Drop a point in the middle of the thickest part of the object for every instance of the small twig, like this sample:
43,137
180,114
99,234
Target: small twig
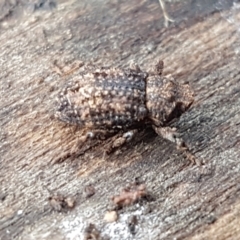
165,14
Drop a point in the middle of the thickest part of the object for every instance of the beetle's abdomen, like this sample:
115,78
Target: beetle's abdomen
109,98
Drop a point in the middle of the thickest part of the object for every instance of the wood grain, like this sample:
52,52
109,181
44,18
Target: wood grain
41,156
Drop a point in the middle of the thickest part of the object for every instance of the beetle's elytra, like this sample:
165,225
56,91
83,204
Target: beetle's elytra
110,98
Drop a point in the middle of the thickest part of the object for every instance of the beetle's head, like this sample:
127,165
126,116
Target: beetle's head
166,99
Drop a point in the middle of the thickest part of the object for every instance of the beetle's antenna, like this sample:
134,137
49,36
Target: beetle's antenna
158,67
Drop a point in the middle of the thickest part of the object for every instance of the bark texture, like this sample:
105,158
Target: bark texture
40,156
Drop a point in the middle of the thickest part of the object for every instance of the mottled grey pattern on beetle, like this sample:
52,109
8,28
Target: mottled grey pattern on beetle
113,99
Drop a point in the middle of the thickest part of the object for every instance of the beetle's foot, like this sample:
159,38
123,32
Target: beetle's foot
134,66
172,135
119,141
88,136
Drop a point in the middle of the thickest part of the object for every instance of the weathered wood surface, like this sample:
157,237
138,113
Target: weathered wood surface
40,156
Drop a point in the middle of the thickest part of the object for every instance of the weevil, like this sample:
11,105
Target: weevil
115,100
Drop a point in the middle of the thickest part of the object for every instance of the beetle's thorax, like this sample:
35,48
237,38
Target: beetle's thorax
166,99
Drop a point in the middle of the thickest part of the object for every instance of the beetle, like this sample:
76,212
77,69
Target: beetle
112,100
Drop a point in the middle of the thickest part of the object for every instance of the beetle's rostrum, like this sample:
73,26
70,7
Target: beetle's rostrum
113,99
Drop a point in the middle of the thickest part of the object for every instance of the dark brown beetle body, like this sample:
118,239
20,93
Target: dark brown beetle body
113,99
105,99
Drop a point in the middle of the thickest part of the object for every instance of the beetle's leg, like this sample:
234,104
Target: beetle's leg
95,134
134,66
89,135
119,141
157,68
172,135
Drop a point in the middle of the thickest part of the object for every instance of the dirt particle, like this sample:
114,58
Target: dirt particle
60,203
111,216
